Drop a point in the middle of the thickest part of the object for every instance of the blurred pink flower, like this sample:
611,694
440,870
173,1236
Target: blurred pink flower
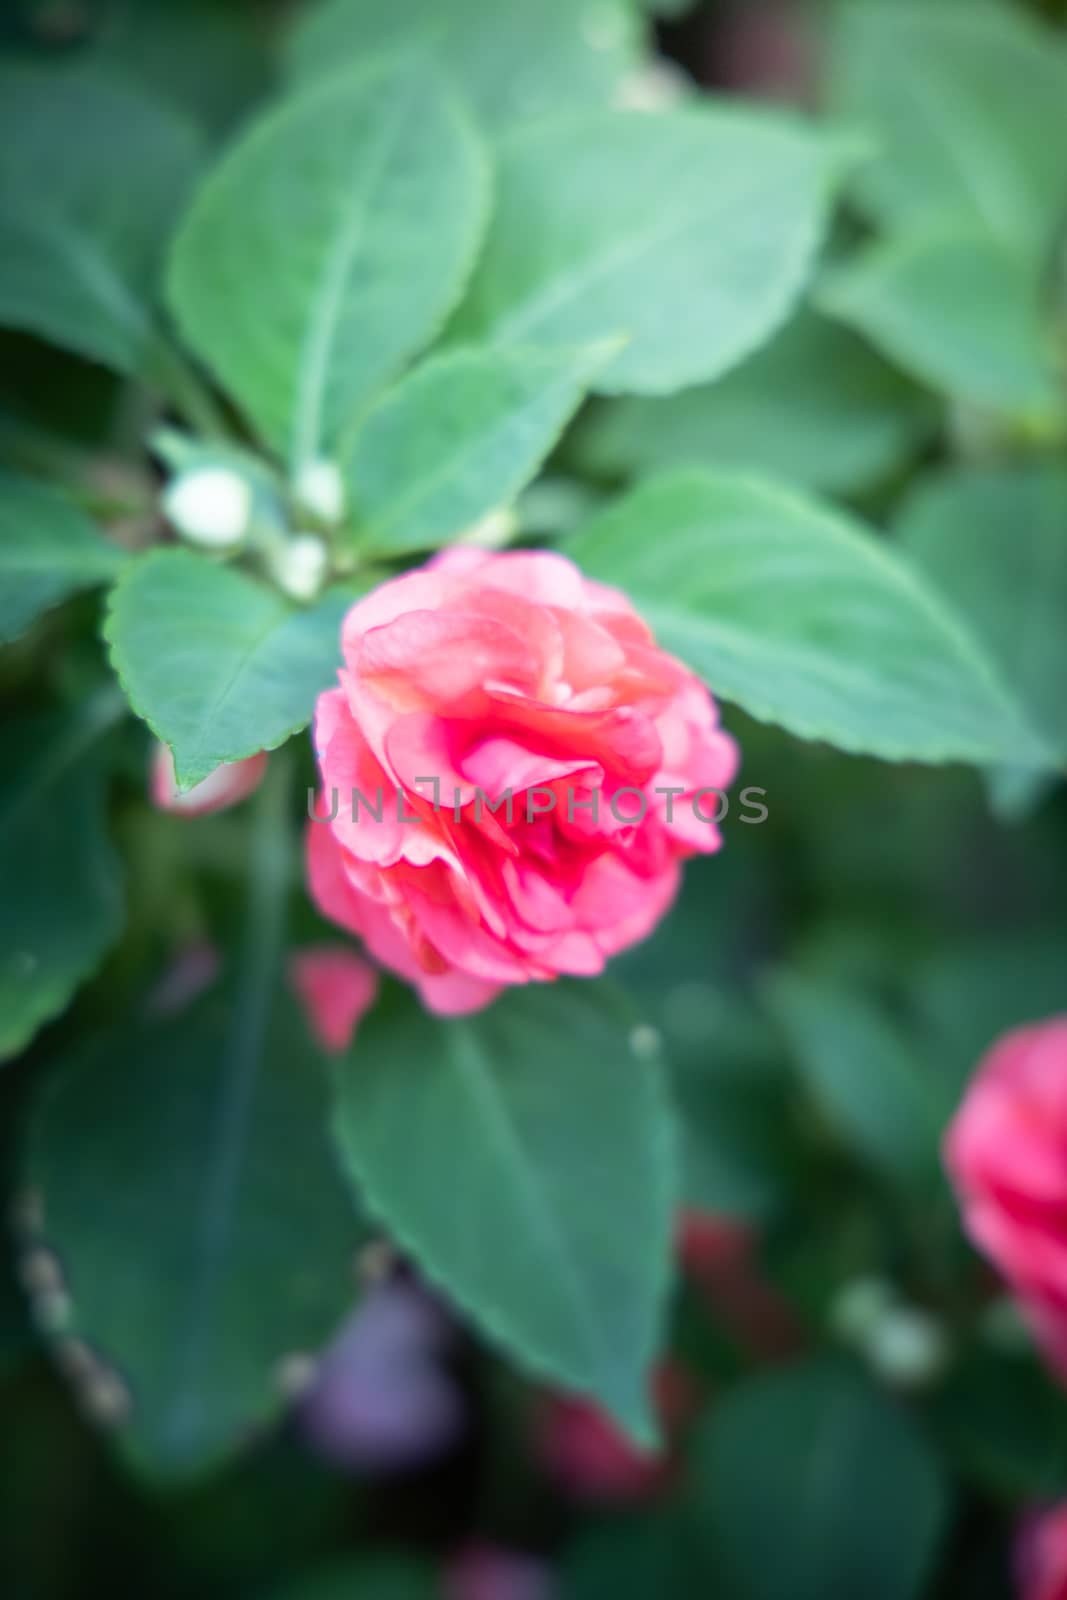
336,988
1041,1555
233,781
382,1399
487,674
484,1572
718,1255
1006,1153
592,1459
709,1244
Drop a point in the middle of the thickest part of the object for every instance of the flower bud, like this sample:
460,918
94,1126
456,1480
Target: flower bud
320,491
336,987
907,1348
233,781
191,971
299,566
653,86
496,528
209,506
858,1307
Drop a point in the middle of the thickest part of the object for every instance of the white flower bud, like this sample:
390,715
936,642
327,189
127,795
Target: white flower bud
908,1348
209,506
652,87
320,491
496,528
300,566
858,1307
645,1041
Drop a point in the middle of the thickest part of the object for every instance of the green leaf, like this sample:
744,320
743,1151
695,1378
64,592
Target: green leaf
788,1450
302,276
92,173
734,1157
48,550
227,1242
189,1191
871,1083
959,311
815,405
608,224
16,1339
63,904
61,909
514,61
458,438
994,540
969,993
218,665
723,1058
541,1194
805,619
1005,1425
212,61
632,1557
368,1578
965,102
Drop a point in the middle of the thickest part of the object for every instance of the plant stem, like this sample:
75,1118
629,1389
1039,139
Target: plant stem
184,388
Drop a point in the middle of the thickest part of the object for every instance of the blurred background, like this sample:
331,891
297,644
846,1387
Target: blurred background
825,989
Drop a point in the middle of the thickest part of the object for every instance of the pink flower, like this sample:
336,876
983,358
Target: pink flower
336,989
1041,1555
588,1456
710,1245
483,676
1006,1153
719,1255
233,781
484,1572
